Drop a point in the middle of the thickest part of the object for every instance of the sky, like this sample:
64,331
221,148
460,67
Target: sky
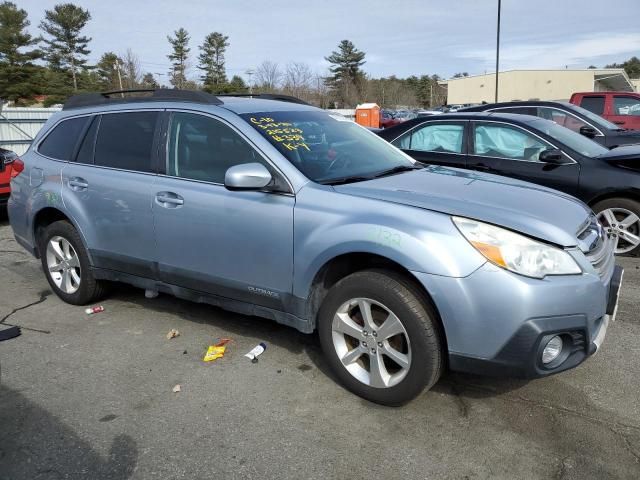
399,37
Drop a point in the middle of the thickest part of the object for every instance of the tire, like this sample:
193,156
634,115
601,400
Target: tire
419,340
624,210
88,289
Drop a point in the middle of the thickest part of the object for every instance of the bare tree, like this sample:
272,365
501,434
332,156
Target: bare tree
297,80
268,76
131,69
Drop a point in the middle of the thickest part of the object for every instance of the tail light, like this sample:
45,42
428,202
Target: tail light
17,166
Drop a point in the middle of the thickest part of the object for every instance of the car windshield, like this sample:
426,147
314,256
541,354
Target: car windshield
571,139
594,118
328,148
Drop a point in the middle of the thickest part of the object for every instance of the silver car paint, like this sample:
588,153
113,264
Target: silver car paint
274,245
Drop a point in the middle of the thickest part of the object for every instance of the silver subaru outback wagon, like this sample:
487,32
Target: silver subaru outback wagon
270,207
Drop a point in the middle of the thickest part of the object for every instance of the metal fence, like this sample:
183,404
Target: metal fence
19,125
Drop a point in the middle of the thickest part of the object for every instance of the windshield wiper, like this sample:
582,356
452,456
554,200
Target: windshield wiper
343,180
361,178
398,169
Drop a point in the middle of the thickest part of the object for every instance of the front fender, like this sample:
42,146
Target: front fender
327,226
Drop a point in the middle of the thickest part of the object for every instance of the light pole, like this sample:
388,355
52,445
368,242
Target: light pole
498,49
250,74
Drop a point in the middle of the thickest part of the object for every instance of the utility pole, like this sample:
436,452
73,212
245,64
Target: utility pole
116,65
498,48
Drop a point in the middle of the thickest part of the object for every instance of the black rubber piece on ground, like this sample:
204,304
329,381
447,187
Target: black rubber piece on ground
8,333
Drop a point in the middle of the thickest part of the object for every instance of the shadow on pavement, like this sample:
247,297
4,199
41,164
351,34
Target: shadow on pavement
34,444
237,324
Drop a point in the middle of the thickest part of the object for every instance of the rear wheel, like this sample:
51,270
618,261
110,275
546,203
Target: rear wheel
380,337
66,265
621,217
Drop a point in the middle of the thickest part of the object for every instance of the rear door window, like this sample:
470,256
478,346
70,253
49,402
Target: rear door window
562,118
60,143
125,141
594,104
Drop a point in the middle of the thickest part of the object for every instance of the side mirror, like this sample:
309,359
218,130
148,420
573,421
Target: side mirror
247,176
588,131
551,155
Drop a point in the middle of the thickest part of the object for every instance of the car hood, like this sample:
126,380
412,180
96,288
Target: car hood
627,137
534,210
627,156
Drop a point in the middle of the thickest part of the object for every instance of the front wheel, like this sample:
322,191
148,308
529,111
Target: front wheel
380,337
621,217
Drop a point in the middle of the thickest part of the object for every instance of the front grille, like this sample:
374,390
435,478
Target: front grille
598,247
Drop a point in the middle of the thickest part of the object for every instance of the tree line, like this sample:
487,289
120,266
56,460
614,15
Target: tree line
55,64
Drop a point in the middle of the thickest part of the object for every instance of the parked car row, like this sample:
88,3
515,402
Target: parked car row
285,211
536,150
570,116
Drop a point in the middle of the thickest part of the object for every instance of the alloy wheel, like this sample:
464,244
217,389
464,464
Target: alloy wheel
371,342
63,264
625,225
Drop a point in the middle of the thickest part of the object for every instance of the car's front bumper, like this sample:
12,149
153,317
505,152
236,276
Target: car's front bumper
498,323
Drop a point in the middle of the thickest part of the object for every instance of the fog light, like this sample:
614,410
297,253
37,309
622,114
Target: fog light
552,350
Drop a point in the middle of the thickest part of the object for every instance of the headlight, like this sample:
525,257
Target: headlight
514,252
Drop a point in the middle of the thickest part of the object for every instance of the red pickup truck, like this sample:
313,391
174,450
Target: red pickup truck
621,108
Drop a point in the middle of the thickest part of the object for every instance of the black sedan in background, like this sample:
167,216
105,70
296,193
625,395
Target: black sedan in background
536,150
573,117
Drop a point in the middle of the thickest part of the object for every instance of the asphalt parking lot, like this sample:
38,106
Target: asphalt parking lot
91,397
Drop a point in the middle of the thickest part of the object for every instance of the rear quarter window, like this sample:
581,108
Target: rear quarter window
63,138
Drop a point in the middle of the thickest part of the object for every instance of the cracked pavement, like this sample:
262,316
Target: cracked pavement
90,397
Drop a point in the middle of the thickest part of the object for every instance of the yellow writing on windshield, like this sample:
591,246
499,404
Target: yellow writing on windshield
283,133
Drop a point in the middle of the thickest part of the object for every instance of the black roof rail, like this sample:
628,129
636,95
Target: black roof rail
267,96
153,95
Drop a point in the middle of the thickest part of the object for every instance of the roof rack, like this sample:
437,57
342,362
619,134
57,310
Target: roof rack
152,95
267,96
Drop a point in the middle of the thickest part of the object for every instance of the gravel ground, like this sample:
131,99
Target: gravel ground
91,397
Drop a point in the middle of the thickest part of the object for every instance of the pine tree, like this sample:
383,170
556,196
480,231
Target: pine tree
179,56
211,61
16,63
345,70
66,48
108,68
148,81
237,85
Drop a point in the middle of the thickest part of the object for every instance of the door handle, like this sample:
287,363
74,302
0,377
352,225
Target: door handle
169,199
78,184
619,122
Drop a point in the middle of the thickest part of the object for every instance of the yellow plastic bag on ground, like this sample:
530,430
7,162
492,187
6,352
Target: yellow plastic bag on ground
216,351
